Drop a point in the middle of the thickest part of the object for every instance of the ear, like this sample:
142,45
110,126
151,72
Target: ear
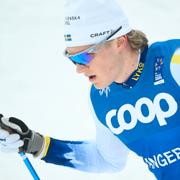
122,42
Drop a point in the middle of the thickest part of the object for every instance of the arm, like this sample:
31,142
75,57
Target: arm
106,154
80,155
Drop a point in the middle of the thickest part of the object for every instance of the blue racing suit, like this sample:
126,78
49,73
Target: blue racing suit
141,115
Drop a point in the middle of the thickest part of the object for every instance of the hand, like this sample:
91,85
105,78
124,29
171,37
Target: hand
15,136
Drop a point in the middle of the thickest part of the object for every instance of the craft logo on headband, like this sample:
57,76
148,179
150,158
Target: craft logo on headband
103,33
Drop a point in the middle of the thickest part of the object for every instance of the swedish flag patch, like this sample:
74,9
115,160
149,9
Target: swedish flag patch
67,37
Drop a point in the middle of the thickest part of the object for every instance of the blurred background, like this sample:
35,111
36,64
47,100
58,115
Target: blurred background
41,87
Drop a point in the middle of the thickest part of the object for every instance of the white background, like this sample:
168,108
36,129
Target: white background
41,87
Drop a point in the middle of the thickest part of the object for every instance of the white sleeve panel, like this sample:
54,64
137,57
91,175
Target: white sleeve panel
175,66
109,146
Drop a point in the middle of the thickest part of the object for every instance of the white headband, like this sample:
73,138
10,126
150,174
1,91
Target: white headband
88,22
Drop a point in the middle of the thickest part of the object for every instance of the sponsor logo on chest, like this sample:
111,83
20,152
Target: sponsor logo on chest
163,159
155,111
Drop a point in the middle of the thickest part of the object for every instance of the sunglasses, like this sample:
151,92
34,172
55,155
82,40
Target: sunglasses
85,57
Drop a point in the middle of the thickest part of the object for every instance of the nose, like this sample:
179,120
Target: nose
80,68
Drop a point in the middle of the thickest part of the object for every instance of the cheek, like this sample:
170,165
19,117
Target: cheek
104,63
106,69
108,65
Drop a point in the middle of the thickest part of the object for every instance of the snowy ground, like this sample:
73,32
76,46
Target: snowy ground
41,87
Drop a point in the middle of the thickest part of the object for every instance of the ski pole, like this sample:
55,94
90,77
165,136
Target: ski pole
29,166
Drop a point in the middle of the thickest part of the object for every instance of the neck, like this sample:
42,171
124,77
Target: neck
130,64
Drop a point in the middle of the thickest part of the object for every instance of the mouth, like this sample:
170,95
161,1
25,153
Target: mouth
92,78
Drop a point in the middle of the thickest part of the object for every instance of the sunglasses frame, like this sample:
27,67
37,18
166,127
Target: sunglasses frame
89,50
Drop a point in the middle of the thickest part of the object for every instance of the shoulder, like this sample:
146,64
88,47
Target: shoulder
170,52
170,45
164,49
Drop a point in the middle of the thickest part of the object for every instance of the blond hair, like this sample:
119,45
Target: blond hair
137,40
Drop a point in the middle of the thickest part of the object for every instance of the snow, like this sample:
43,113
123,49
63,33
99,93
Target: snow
41,87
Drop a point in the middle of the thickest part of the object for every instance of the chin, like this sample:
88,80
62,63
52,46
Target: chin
100,85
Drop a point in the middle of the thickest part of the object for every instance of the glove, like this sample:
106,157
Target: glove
15,136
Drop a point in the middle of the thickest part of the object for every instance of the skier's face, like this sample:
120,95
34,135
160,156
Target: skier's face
106,66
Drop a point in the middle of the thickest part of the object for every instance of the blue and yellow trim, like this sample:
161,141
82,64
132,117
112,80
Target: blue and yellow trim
176,59
47,143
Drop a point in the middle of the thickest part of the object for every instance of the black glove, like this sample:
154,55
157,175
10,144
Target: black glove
13,128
